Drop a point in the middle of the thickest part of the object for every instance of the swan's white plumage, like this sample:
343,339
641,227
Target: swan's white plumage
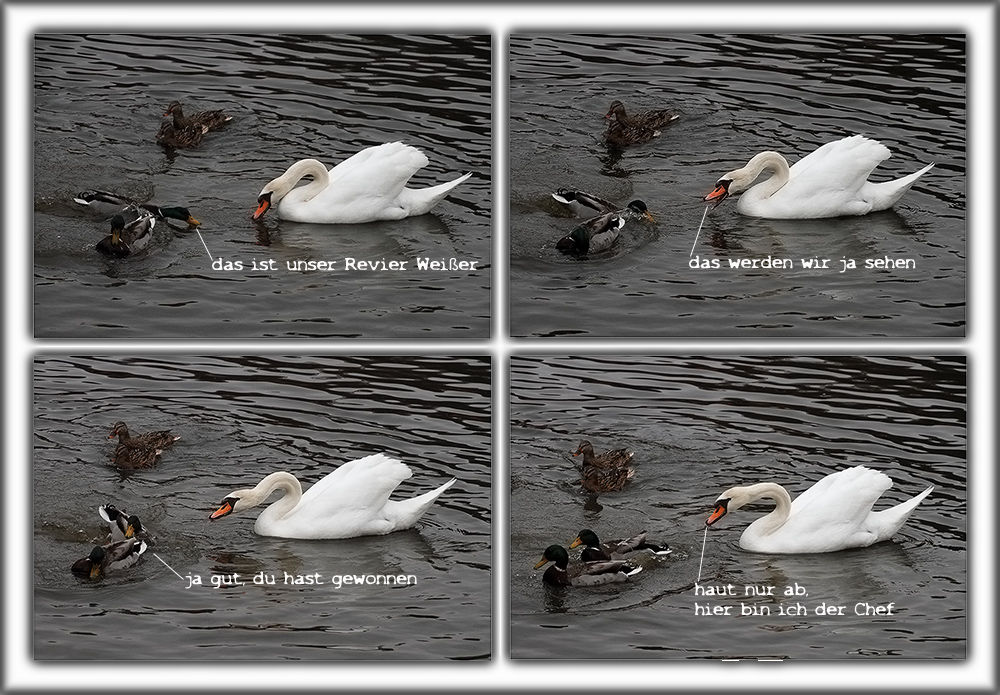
831,181
351,501
834,514
367,187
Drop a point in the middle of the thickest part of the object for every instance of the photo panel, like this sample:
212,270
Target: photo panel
775,507
856,226
375,544
182,188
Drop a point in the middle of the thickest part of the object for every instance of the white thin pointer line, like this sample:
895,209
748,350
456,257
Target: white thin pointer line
213,261
161,559
704,215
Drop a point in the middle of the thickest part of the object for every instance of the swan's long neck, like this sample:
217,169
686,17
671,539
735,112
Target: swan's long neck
782,501
276,481
765,161
282,185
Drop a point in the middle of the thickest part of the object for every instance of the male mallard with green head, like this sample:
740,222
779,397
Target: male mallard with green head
105,202
109,558
600,233
561,573
128,237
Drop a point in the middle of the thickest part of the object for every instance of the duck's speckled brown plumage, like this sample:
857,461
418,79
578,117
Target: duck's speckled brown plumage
609,459
187,131
624,130
178,138
139,451
605,480
209,120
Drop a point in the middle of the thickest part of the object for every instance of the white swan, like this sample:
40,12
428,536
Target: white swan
351,501
829,182
367,187
834,514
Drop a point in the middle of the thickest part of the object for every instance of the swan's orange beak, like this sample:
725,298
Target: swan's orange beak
226,508
263,204
718,194
576,543
720,511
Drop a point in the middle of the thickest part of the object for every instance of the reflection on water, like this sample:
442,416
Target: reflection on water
700,425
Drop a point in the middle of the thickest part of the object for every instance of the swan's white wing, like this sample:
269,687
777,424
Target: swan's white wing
377,172
364,484
837,506
841,165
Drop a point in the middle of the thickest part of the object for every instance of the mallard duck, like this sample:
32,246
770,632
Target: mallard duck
180,138
605,479
208,120
609,459
594,574
624,130
109,558
834,514
128,238
140,451
159,438
135,529
831,181
367,187
105,202
595,551
116,519
599,233
351,501
583,204
593,236
124,525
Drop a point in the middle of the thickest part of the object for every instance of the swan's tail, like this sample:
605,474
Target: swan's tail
889,521
406,513
419,201
887,193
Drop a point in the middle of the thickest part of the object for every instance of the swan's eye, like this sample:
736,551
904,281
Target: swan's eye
264,198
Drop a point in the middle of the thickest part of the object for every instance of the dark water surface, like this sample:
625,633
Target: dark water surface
241,418
701,425
98,103
736,96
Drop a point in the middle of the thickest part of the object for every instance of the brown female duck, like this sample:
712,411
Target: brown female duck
188,131
594,574
609,459
624,130
140,451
